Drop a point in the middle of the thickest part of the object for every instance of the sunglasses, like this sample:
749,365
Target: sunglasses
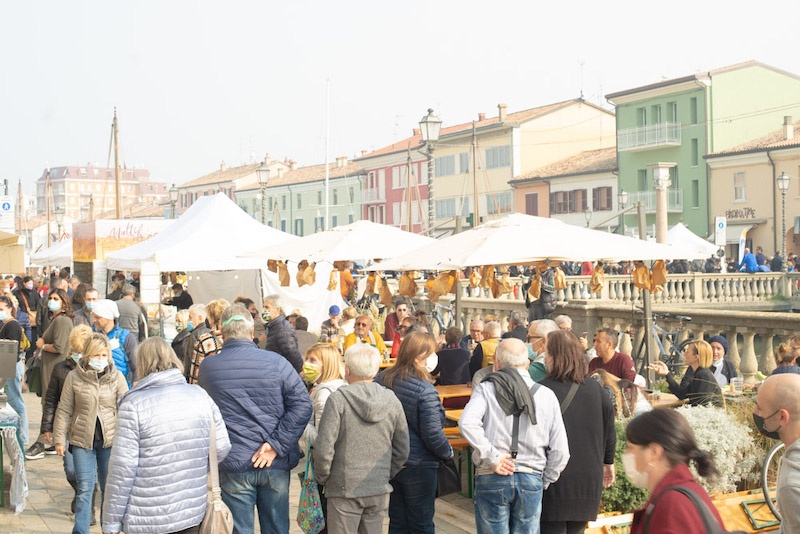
362,324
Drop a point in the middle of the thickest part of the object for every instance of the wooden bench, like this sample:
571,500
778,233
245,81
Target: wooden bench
463,453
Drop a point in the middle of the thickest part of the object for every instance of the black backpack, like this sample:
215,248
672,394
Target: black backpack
710,522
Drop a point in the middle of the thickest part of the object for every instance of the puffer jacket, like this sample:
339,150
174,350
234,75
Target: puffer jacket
261,398
281,338
86,397
425,416
53,395
157,474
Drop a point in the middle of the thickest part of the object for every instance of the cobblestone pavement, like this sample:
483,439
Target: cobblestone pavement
49,497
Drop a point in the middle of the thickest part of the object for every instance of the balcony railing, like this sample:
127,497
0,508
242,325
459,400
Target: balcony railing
674,200
652,136
374,195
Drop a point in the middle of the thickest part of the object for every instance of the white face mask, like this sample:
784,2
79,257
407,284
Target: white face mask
432,362
636,477
98,364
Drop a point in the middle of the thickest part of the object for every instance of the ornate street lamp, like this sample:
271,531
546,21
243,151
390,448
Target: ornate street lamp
173,200
59,213
783,185
262,173
587,214
430,126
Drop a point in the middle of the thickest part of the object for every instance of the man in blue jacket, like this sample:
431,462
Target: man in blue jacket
265,407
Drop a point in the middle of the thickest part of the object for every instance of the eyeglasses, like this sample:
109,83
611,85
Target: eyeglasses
362,324
534,337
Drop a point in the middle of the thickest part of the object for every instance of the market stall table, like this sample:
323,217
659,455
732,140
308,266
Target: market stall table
458,390
666,400
453,415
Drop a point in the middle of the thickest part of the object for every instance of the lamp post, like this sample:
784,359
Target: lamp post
430,126
587,214
622,202
783,185
59,213
173,200
262,173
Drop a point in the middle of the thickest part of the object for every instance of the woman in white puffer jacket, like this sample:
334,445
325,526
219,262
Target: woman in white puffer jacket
157,479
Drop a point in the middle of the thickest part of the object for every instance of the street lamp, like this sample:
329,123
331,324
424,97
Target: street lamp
587,214
59,213
622,202
783,185
430,126
173,200
262,173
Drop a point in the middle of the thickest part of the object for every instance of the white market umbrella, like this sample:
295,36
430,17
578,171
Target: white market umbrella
58,254
359,240
682,237
519,239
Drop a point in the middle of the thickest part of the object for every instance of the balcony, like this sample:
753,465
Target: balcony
674,200
374,195
646,137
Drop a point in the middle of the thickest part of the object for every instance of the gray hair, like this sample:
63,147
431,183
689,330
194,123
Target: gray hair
237,323
154,355
476,321
517,318
362,360
542,327
564,320
276,301
512,352
492,329
128,290
198,309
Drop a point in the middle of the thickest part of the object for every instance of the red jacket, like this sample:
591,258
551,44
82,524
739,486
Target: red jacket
674,513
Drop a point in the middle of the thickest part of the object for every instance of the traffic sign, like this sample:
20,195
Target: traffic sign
720,231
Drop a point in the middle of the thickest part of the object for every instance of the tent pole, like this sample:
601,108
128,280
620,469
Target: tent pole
647,303
457,306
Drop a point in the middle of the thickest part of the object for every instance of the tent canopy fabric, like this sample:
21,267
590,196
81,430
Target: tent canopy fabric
59,254
522,239
359,240
209,236
680,236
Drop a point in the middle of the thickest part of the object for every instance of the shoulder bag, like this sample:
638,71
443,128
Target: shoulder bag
309,512
31,313
709,521
218,519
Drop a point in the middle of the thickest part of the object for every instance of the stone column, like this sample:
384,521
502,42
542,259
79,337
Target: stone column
749,364
661,182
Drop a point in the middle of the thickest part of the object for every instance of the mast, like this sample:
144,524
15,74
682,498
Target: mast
19,212
327,145
48,191
408,188
117,184
476,217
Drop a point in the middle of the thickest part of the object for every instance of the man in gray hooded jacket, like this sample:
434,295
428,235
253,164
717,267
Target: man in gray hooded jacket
362,443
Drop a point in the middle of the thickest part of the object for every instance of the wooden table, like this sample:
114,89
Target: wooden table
449,392
453,415
667,400
390,363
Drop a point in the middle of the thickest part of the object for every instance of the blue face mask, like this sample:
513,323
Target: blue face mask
53,305
98,364
76,356
3,316
189,326
89,306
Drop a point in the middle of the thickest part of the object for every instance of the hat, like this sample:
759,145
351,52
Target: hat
334,310
721,340
107,309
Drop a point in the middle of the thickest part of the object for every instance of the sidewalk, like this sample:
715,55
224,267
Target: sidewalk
49,497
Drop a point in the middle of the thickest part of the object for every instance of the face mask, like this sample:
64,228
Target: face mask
76,356
636,477
310,372
189,326
98,364
3,316
759,421
89,306
265,315
431,362
29,286
53,305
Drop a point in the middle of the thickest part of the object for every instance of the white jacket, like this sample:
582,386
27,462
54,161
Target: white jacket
158,472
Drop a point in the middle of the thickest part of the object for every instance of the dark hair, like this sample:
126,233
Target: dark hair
671,430
567,356
176,286
301,323
407,366
422,317
8,302
66,305
79,296
611,335
630,396
27,279
244,300
453,335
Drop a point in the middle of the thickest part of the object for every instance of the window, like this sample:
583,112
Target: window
269,200
445,209
350,218
566,201
739,188
693,110
299,201
319,198
577,200
283,225
673,177
695,153
499,203
498,156
641,117
399,177
695,193
463,162
601,199
298,227
334,221
352,196
445,165
641,179
335,197
319,224
532,203
672,111
655,114
283,202
559,202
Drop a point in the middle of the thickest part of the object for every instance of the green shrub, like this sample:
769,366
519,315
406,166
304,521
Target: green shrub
623,496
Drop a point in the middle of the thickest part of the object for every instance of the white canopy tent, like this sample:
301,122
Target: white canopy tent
59,254
681,236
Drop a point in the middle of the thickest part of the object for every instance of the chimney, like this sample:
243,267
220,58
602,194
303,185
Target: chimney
267,159
292,164
280,172
416,131
788,128
481,116
223,166
501,112
363,152
341,161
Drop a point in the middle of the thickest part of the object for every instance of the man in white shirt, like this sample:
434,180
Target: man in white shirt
513,473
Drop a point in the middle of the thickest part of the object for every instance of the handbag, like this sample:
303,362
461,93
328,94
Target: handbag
309,512
218,519
447,478
31,313
709,521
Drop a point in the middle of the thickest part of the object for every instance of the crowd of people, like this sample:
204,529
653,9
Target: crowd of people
132,416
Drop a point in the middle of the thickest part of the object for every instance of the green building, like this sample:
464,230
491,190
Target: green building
674,123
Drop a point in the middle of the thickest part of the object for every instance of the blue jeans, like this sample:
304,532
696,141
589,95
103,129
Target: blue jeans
14,394
411,503
69,464
266,489
508,504
89,464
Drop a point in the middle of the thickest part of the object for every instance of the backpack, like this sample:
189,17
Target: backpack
709,521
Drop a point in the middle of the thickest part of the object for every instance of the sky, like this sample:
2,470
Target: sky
198,83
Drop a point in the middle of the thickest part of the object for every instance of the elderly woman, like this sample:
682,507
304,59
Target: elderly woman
698,383
87,417
209,343
722,368
786,357
159,461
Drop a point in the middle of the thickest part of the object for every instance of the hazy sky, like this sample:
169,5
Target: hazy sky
196,83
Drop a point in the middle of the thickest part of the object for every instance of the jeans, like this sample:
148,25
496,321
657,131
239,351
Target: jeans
411,503
14,394
69,464
89,464
508,504
266,489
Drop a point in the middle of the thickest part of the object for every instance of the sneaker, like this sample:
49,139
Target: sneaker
35,451
50,450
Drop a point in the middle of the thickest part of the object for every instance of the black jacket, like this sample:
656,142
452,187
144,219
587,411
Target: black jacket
53,395
520,332
281,338
700,387
453,366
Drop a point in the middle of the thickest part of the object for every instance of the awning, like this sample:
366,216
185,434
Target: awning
735,232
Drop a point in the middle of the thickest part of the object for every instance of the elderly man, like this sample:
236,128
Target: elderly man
393,320
519,441
131,314
475,336
618,364
777,416
265,407
363,425
516,327
332,325
564,322
281,336
365,334
84,315
483,355
537,340
123,343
